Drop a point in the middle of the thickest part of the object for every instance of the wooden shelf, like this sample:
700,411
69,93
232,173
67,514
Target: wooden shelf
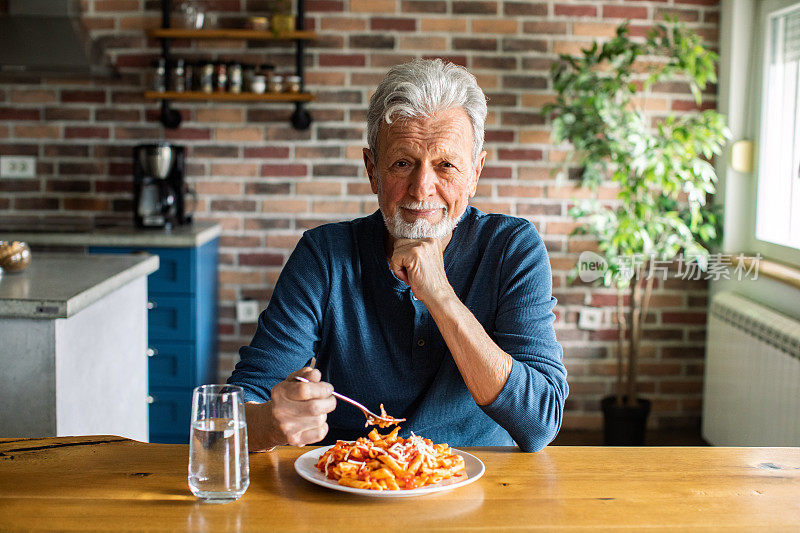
251,35
229,97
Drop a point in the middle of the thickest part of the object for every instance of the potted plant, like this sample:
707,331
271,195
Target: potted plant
662,174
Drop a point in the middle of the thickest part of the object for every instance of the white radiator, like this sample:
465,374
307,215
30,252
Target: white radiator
752,375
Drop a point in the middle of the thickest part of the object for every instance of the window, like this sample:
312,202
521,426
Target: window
778,196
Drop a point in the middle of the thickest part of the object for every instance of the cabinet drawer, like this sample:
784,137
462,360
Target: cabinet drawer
176,270
170,413
171,364
171,317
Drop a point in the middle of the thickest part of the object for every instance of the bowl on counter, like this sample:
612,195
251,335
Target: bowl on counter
15,256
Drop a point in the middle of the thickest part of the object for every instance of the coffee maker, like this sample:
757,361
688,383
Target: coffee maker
158,186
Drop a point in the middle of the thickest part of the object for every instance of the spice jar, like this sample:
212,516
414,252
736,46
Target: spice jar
258,84
275,84
258,23
291,84
160,75
179,76
220,76
207,77
235,77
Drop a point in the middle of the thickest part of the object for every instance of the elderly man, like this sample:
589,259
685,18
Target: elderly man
438,311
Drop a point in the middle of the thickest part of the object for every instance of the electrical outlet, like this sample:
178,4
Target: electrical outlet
17,166
591,318
247,311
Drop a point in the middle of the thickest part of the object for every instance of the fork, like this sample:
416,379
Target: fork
367,413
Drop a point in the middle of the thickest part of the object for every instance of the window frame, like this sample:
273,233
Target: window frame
761,39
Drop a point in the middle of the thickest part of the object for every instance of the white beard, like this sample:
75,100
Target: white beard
420,228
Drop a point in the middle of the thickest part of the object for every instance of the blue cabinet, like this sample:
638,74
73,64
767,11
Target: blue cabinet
182,331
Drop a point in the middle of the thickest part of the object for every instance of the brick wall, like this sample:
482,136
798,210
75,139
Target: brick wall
266,183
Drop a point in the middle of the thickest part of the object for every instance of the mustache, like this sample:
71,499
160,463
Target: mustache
420,206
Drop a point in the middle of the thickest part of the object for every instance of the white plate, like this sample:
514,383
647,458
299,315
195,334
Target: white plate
305,465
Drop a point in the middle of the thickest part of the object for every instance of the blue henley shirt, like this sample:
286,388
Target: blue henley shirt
338,300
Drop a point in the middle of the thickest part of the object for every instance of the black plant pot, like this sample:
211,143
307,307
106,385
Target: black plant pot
623,425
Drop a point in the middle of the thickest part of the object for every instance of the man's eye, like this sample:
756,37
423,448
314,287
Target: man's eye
447,165
401,164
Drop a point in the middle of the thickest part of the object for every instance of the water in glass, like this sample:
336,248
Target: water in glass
219,469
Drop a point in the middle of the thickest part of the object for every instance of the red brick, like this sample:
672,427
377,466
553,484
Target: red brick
685,317
326,6
68,113
624,12
342,60
424,6
393,24
567,10
37,132
474,7
10,113
288,170
267,152
37,204
492,172
519,154
260,259
97,97
75,132
86,204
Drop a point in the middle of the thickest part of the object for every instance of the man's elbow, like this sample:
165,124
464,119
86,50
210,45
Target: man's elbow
547,426
543,435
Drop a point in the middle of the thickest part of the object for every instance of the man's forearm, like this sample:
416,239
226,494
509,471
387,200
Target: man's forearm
260,434
483,364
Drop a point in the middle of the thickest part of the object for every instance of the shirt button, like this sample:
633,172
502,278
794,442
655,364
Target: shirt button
421,342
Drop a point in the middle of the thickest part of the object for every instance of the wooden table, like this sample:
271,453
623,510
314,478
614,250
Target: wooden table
111,483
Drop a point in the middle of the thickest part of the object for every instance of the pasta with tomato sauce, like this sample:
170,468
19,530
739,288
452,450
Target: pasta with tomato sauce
389,462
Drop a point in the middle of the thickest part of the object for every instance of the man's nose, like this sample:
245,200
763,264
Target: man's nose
423,182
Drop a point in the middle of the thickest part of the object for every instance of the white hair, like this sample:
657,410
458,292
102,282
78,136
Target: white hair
422,88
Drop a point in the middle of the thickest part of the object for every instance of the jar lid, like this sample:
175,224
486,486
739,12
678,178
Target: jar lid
295,79
275,77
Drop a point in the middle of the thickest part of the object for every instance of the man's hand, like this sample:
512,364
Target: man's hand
295,415
420,264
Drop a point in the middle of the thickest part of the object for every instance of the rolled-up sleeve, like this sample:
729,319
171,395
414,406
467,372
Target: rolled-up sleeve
531,403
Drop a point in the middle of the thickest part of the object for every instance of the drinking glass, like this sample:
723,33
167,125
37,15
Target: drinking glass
219,470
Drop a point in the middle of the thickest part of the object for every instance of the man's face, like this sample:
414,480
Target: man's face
424,174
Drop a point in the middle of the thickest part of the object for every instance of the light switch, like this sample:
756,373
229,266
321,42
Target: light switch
17,166
591,318
247,311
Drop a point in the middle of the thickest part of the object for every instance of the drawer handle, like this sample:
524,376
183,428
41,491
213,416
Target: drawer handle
150,399
151,352
151,305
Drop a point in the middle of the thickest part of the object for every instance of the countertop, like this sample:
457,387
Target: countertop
106,483
195,234
60,285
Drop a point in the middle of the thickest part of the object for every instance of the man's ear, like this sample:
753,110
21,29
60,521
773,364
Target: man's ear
478,169
369,164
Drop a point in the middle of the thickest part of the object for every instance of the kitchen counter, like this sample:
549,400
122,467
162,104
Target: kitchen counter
61,285
74,346
195,234
104,483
